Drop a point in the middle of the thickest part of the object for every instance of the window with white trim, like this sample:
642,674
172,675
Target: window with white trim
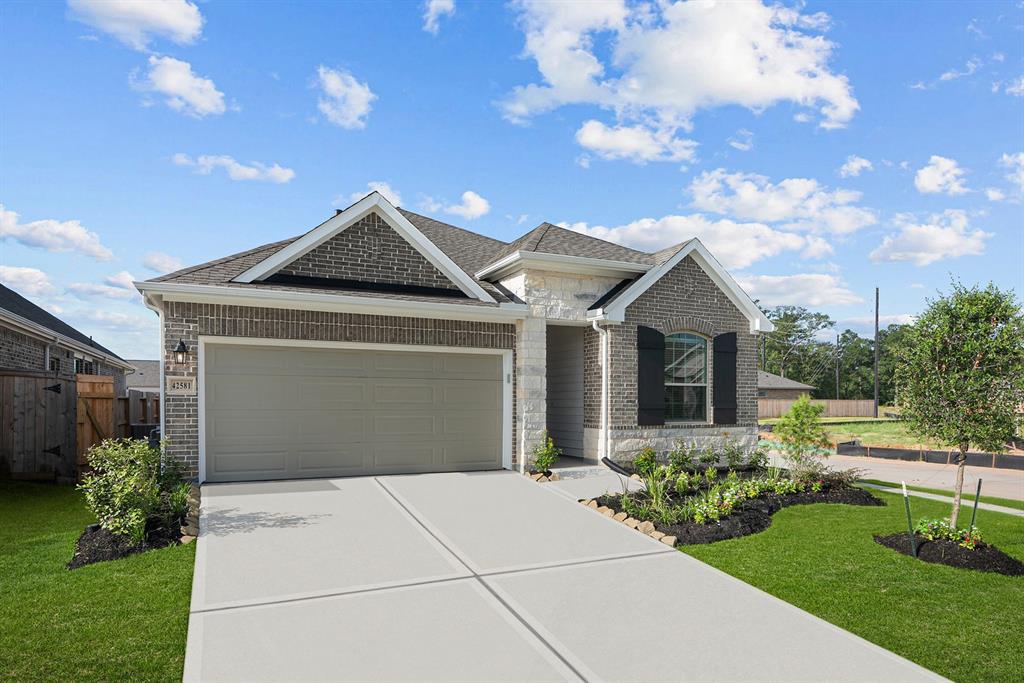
686,378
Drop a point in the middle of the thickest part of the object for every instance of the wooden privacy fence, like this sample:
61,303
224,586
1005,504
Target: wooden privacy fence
776,407
37,426
48,424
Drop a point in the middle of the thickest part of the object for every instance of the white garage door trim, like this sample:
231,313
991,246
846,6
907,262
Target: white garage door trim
506,368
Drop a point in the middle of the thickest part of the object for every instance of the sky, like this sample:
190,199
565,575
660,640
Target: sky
819,150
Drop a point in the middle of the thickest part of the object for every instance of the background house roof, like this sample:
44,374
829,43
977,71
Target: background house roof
146,375
15,303
766,380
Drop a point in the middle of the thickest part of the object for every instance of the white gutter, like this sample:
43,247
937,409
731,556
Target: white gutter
342,303
603,446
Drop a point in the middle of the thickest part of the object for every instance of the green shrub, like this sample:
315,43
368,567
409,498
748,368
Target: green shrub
545,454
646,462
733,453
940,529
132,486
802,438
683,457
708,457
687,482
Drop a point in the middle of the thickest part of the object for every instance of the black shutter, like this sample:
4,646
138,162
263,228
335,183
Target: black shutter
723,388
650,376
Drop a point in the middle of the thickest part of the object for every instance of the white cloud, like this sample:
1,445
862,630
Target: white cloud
1015,87
27,281
472,206
743,140
429,204
868,321
736,245
1014,163
205,164
115,321
994,194
817,248
117,286
943,236
638,144
389,193
667,61
854,166
940,175
136,22
344,100
803,289
800,203
159,262
433,10
184,90
53,235
972,65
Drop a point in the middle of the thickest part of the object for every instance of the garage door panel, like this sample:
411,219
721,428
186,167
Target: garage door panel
279,412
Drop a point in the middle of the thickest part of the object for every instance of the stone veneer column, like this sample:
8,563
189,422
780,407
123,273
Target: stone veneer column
531,384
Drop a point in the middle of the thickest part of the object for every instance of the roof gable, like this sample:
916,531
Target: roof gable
373,203
615,309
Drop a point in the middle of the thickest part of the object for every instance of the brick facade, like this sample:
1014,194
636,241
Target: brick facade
22,352
683,300
371,251
188,321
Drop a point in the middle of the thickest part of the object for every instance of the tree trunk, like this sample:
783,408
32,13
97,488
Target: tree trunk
958,489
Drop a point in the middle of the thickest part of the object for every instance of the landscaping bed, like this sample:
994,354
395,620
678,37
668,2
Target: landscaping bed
751,516
97,544
984,557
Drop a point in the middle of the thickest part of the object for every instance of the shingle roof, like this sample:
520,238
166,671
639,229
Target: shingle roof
18,305
469,250
766,380
147,374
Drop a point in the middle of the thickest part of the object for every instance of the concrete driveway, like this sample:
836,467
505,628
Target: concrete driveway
479,577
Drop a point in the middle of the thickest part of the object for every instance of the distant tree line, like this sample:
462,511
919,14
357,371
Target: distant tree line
804,348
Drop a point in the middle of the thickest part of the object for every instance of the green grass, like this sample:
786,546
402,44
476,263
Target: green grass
119,620
830,420
968,498
962,624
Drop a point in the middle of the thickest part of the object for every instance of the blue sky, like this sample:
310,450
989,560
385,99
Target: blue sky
857,145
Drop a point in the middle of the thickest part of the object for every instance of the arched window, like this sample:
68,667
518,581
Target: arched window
686,378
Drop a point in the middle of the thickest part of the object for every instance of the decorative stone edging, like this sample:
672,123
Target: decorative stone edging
540,477
191,527
646,528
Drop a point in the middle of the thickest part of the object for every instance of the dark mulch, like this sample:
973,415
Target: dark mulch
753,516
97,544
984,558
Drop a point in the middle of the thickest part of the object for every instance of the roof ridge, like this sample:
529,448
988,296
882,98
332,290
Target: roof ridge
599,239
465,230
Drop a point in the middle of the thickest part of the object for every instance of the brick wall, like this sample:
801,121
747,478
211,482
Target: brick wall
684,300
369,250
188,321
21,351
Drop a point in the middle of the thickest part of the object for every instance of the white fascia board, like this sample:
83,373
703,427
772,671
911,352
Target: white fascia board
339,303
616,311
561,263
350,216
44,333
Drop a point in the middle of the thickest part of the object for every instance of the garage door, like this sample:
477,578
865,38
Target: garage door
286,412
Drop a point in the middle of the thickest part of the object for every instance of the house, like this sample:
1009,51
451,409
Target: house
383,341
774,386
146,377
33,339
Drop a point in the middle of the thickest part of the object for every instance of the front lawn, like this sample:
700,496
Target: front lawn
119,620
962,624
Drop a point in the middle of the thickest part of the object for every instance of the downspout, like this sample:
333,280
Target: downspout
603,449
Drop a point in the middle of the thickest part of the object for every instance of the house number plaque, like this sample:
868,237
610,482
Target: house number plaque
181,386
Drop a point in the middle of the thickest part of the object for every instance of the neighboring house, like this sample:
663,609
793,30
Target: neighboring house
382,341
146,376
774,386
33,339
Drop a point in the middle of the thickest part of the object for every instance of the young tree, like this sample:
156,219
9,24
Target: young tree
960,379
803,440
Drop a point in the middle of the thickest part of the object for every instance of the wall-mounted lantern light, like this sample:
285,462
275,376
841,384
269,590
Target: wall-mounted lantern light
180,352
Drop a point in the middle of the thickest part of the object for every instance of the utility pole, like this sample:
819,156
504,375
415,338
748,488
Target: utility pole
876,351
837,367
